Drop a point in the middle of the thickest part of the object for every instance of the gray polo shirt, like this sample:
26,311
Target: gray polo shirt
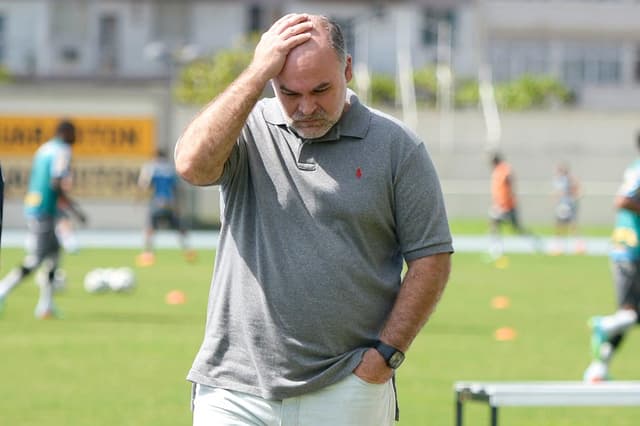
311,249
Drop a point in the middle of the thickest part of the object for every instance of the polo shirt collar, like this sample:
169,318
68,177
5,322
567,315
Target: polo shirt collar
353,123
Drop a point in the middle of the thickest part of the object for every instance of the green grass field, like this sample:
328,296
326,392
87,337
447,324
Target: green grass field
121,359
481,227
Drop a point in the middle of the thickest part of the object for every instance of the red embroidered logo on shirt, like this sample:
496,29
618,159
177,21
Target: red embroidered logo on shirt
358,172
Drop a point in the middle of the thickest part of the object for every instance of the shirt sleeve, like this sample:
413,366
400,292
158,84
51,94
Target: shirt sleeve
61,164
631,183
421,218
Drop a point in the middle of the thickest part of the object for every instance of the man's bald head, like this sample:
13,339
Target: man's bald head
325,33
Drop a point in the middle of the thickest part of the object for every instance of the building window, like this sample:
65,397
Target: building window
255,18
171,21
591,63
108,43
510,59
69,20
431,17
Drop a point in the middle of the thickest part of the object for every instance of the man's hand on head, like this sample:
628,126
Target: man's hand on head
286,33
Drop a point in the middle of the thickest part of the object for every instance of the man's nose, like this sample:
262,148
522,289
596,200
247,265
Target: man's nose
307,105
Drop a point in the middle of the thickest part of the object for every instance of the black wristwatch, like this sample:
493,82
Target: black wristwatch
392,356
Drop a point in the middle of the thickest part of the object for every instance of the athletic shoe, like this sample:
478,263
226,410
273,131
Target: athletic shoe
555,249
190,256
145,259
598,337
50,312
596,372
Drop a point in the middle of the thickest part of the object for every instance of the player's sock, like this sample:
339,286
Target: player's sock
603,328
10,281
618,322
598,337
606,352
598,369
496,249
45,307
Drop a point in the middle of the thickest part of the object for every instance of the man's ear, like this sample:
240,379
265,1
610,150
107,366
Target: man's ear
348,68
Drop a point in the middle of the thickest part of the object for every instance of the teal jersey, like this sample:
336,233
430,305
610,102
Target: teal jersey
51,161
625,246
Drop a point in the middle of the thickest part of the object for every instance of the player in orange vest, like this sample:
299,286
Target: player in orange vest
504,205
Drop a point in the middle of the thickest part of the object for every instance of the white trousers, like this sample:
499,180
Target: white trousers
349,402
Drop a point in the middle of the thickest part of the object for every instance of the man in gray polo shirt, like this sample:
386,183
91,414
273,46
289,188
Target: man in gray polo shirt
324,198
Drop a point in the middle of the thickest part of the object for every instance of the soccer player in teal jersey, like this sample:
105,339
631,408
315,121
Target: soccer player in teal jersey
51,164
608,331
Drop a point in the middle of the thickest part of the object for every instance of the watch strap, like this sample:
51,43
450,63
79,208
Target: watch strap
392,356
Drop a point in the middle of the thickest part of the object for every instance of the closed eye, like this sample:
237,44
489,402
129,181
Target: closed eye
289,93
321,89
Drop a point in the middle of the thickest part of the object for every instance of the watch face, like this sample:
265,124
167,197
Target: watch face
396,359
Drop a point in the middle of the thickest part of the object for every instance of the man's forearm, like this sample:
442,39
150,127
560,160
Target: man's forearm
208,140
72,206
419,294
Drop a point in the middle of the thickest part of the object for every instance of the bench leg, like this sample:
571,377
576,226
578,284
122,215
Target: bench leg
458,411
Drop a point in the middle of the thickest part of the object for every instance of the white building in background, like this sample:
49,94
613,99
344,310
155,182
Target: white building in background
591,45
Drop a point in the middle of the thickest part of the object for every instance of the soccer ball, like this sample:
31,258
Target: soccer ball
104,279
121,279
96,281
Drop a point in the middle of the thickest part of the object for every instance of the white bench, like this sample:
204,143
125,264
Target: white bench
504,394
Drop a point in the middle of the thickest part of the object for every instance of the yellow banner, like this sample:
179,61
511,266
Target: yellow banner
92,178
96,136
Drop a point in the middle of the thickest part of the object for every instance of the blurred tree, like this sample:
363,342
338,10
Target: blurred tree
204,79
426,84
5,75
467,94
383,89
528,92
